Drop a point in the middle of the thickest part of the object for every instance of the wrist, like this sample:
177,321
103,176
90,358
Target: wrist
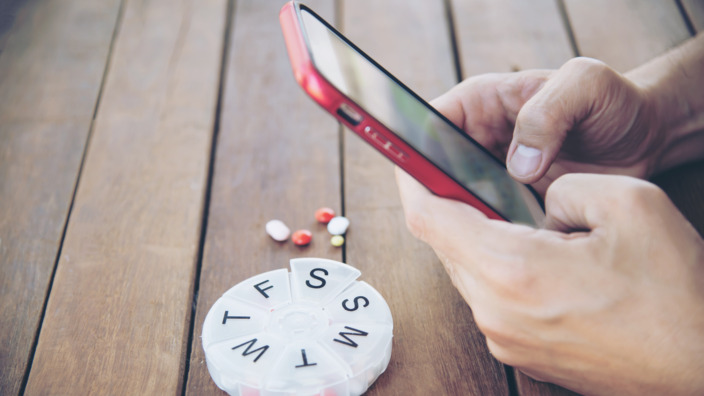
680,127
680,122
671,85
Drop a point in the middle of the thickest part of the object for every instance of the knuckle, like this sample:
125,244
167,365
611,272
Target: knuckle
498,352
502,352
643,196
564,183
511,278
497,324
594,75
489,325
588,67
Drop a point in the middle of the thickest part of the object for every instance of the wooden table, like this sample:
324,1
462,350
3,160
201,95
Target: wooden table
144,145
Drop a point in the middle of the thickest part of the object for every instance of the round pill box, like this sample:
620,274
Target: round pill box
313,331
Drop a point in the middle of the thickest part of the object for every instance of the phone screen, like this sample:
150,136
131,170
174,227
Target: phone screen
410,118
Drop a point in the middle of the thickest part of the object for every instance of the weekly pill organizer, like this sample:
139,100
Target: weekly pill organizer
316,330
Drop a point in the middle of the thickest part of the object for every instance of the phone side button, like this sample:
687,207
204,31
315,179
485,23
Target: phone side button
396,152
375,136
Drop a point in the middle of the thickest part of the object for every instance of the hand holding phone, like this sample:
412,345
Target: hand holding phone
397,122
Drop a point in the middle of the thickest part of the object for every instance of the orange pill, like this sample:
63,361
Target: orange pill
301,237
324,215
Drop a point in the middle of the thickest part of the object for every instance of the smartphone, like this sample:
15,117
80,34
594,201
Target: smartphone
393,119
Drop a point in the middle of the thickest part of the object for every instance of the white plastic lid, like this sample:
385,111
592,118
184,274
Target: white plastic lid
313,331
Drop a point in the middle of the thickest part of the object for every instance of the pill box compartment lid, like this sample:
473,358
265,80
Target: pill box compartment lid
313,330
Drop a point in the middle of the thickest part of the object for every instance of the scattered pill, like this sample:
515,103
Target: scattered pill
338,225
301,237
337,240
277,230
324,215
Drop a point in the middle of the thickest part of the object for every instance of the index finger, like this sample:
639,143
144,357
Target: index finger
445,224
482,255
486,106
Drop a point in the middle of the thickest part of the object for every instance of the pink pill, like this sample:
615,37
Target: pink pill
277,230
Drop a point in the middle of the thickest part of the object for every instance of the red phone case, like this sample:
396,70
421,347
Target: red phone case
369,129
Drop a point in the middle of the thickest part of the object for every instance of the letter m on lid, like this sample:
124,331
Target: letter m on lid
248,351
348,341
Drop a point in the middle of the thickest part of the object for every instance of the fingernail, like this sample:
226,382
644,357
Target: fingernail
525,161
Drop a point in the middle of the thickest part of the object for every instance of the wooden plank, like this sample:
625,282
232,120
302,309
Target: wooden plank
695,12
647,29
512,35
685,184
625,33
277,157
509,35
437,347
118,317
52,58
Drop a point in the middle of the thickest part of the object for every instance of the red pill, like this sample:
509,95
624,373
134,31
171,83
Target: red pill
301,237
324,215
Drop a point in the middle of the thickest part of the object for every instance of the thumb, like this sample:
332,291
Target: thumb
544,120
571,200
584,202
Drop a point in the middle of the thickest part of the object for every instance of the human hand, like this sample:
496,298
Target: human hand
607,299
585,117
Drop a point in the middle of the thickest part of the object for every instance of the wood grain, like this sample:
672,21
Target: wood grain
625,33
277,157
118,316
437,347
51,66
509,35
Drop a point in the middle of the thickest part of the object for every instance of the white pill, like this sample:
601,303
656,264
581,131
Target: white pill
277,230
338,225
